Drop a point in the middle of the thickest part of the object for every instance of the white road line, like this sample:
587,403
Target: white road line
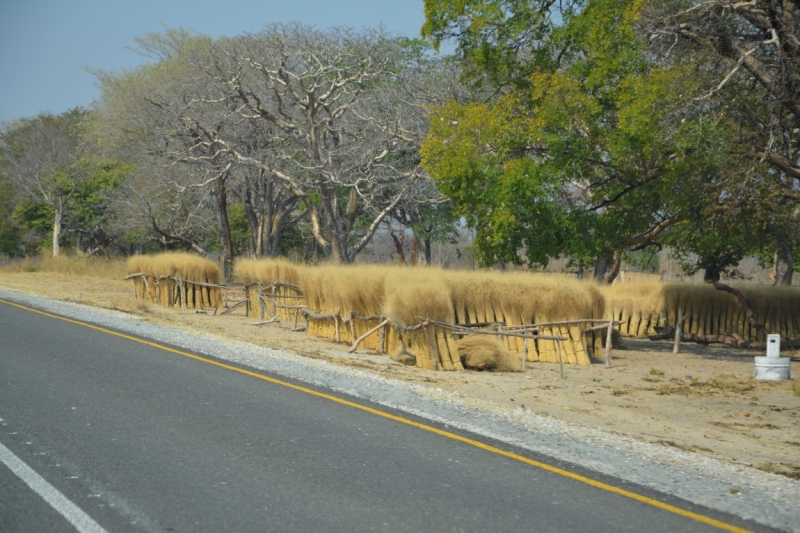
74,514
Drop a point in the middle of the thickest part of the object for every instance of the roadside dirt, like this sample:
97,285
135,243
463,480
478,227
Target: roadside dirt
702,400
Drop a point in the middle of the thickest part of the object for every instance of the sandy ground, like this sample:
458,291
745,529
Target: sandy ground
702,400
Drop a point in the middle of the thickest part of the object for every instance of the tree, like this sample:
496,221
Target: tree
40,157
583,151
749,53
10,234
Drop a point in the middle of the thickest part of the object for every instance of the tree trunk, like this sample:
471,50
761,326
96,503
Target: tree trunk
224,228
607,268
712,276
783,268
414,251
337,248
398,245
57,220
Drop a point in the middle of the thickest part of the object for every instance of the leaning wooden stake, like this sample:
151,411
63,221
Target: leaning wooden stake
608,340
367,334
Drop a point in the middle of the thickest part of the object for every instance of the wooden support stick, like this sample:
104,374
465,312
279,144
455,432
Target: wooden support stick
264,322
182,289
352,325
678,330
228,310
296,314
365,335
524,348
383,336
560,361
608,340
336,321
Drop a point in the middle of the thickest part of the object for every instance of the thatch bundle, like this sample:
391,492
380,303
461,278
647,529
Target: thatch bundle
414,294
521,299
643,306
638,305
282,278
712,311
163,272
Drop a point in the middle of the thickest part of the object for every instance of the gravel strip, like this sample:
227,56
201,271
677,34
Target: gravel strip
768,499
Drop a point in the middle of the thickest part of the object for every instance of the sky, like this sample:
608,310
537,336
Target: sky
45,44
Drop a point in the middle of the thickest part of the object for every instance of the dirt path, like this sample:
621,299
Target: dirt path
702,400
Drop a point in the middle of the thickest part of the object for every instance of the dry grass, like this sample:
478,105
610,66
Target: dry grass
638,305
186,266
93,267
192,269
484,352
712,311
266,272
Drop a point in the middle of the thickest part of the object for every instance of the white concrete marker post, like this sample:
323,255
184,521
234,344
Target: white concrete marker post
773,366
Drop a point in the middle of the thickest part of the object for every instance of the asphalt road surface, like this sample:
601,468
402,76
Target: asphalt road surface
117,435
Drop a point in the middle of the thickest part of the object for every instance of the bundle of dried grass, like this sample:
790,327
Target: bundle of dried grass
712,312
638,305
414,294
522,298
483,352
279,276
192,269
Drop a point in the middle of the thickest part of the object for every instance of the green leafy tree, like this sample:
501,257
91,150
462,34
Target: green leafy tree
39,156
585,150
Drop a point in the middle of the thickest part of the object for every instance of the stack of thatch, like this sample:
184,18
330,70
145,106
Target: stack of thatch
638,305
335,293
162,274
712,311
279,277
522,298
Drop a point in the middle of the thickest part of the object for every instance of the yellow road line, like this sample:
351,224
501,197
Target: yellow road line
566,473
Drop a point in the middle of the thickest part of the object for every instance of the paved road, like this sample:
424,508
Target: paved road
142,439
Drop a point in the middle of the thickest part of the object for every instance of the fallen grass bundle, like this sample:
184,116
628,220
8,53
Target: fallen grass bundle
195,273
484,352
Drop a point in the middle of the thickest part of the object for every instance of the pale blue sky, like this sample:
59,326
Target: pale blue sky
44,43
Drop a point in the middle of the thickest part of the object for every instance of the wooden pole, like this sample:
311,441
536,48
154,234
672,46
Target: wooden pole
560,361
367,334
676,346
383,338
608,339
525,349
